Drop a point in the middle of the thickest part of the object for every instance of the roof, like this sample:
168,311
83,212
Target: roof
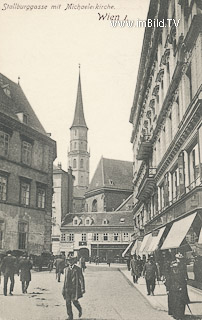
114,174
127,204
114,219
78,193
79,120
16,102
58,169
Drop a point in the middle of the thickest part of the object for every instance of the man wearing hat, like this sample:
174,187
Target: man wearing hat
9,268
150,272
25,266
74,286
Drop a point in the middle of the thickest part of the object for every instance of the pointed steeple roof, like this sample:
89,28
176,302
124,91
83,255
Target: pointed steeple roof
79,119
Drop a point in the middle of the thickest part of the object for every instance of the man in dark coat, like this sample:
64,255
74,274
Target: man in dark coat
135,269
59,265
74,287
24,267
9,268
177,288
150,272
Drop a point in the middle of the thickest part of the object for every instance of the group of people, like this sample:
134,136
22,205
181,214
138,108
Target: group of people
173,273
74,284
11,266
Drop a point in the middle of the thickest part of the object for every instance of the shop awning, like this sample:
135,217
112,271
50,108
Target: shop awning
145,243
134,248
155,240
127,249
200,237
178,232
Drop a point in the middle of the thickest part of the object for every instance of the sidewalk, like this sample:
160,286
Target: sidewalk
159,300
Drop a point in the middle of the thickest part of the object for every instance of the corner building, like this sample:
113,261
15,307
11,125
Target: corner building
167,132
26,172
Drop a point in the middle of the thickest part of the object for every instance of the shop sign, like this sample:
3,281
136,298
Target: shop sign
82,243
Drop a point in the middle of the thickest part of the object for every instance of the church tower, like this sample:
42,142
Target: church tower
78,155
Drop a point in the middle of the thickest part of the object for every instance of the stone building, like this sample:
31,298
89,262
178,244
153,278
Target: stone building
102,234
110,186
62,202
26,171
167,132
78,156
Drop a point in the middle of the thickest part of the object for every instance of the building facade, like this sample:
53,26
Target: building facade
110,186
26,170
99,234
166,118
78,156
62,202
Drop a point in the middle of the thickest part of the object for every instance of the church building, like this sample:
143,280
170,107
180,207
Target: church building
78,156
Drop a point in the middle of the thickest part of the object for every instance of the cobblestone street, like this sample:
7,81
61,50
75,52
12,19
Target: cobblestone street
109,296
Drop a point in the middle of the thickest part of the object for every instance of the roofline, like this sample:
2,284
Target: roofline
104,188
144,53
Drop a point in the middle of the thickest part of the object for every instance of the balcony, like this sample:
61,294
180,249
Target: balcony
145,147
147,185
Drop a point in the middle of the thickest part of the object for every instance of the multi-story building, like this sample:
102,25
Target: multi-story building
102,234
110,186
62,202
167,132
26,170
78,156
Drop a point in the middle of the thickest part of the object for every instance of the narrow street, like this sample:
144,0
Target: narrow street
109,296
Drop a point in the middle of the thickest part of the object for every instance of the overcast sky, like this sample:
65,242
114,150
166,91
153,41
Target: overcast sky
44,48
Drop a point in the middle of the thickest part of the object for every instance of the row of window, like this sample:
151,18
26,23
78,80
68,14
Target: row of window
25,192
30,154
81,164
75,145
89,221
22,235
184,176
96,237
26,154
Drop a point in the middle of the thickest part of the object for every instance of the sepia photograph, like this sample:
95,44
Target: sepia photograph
101,159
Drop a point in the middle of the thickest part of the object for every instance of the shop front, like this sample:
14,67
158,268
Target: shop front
105,251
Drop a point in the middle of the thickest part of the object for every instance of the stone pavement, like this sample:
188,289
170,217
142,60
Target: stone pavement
159,300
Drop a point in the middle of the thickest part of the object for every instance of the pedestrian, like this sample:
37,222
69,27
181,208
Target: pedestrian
150,273
176,285
135,268
59,265
82,263
74,287
25,267
51,263
109,261
97,260
9,268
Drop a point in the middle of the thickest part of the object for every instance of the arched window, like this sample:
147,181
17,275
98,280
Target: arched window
94,206
74,145
81,163
74,163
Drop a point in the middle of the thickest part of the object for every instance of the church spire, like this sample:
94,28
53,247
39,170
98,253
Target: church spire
79,120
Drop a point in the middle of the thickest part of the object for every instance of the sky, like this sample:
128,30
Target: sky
44,47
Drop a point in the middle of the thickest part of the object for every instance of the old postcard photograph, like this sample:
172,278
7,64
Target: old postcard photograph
100,159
